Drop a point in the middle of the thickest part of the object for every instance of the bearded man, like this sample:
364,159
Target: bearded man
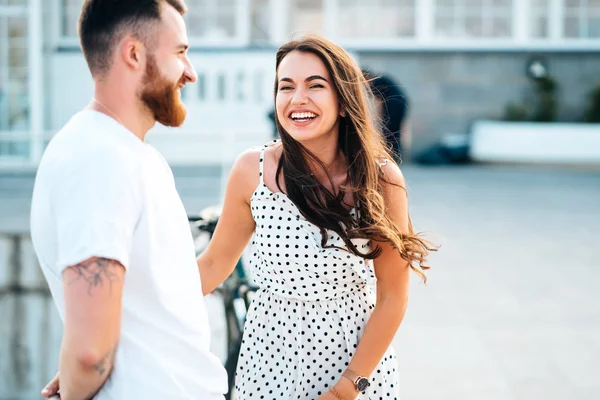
108,227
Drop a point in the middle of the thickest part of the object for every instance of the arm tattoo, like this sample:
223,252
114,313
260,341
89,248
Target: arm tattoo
96,272
106,363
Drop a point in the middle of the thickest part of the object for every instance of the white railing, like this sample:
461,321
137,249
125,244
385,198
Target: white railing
234,90
227,109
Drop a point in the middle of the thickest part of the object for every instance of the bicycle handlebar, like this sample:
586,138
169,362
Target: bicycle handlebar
194,218
206,220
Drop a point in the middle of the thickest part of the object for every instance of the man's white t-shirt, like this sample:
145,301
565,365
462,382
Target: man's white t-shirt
101,191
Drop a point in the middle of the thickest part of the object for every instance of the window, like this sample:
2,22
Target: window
386,18
70,15
260,24
540,10
14,77
14,99
581,19
207,20
571,19
383,23
306,16
13,2
212,19
473,18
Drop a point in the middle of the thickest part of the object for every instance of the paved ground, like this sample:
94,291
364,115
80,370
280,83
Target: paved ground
512,307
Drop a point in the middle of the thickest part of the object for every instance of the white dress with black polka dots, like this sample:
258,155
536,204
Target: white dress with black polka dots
305,322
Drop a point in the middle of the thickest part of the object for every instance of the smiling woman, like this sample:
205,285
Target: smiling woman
329,213
327,131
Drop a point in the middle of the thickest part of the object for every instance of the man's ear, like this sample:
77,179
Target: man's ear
132,52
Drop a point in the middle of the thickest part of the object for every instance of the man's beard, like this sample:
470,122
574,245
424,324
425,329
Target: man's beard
162,97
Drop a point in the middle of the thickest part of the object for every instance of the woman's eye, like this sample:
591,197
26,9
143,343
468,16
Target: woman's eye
285,88
317,86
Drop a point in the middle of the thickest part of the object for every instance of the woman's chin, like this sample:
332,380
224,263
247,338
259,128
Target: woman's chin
309,133
303,135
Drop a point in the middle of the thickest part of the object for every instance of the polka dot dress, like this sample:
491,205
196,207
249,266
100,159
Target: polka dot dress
305,322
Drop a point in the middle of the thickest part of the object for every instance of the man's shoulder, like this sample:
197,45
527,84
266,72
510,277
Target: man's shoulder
83,143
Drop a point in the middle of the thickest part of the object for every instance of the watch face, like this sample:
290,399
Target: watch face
362,384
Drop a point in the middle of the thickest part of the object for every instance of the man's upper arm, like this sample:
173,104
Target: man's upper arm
97,205
93,292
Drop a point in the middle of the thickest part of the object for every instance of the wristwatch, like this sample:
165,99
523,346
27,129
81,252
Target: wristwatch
360,382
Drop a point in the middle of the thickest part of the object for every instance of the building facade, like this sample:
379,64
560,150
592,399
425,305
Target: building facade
458,60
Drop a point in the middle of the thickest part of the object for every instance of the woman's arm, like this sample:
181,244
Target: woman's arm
392,290
235,226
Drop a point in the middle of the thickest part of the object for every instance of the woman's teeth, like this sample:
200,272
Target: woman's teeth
303,116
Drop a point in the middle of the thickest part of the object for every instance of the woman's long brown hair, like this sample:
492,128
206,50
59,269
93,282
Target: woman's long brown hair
362,143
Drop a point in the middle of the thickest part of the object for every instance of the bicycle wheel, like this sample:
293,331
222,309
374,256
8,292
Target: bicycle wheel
231,367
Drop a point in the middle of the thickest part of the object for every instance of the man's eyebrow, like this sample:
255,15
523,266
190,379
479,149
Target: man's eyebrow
183,46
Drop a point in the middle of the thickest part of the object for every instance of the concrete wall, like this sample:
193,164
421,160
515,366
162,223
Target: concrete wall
448,91
31,329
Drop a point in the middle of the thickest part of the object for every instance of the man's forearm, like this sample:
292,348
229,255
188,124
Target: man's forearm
93,293
82,376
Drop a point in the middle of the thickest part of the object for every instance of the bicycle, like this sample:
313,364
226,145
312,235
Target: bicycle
235,292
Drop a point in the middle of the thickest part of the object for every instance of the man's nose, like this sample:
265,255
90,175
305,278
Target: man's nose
190,73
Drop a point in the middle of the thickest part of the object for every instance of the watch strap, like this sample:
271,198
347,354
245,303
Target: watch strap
353,376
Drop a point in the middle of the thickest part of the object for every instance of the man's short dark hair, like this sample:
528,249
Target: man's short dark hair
103,23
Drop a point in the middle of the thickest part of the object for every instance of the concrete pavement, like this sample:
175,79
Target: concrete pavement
512,306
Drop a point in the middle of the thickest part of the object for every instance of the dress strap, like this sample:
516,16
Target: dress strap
261,165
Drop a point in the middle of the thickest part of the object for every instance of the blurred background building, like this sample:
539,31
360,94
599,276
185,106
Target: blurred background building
458,61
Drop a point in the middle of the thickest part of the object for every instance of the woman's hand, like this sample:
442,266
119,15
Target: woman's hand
344,388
